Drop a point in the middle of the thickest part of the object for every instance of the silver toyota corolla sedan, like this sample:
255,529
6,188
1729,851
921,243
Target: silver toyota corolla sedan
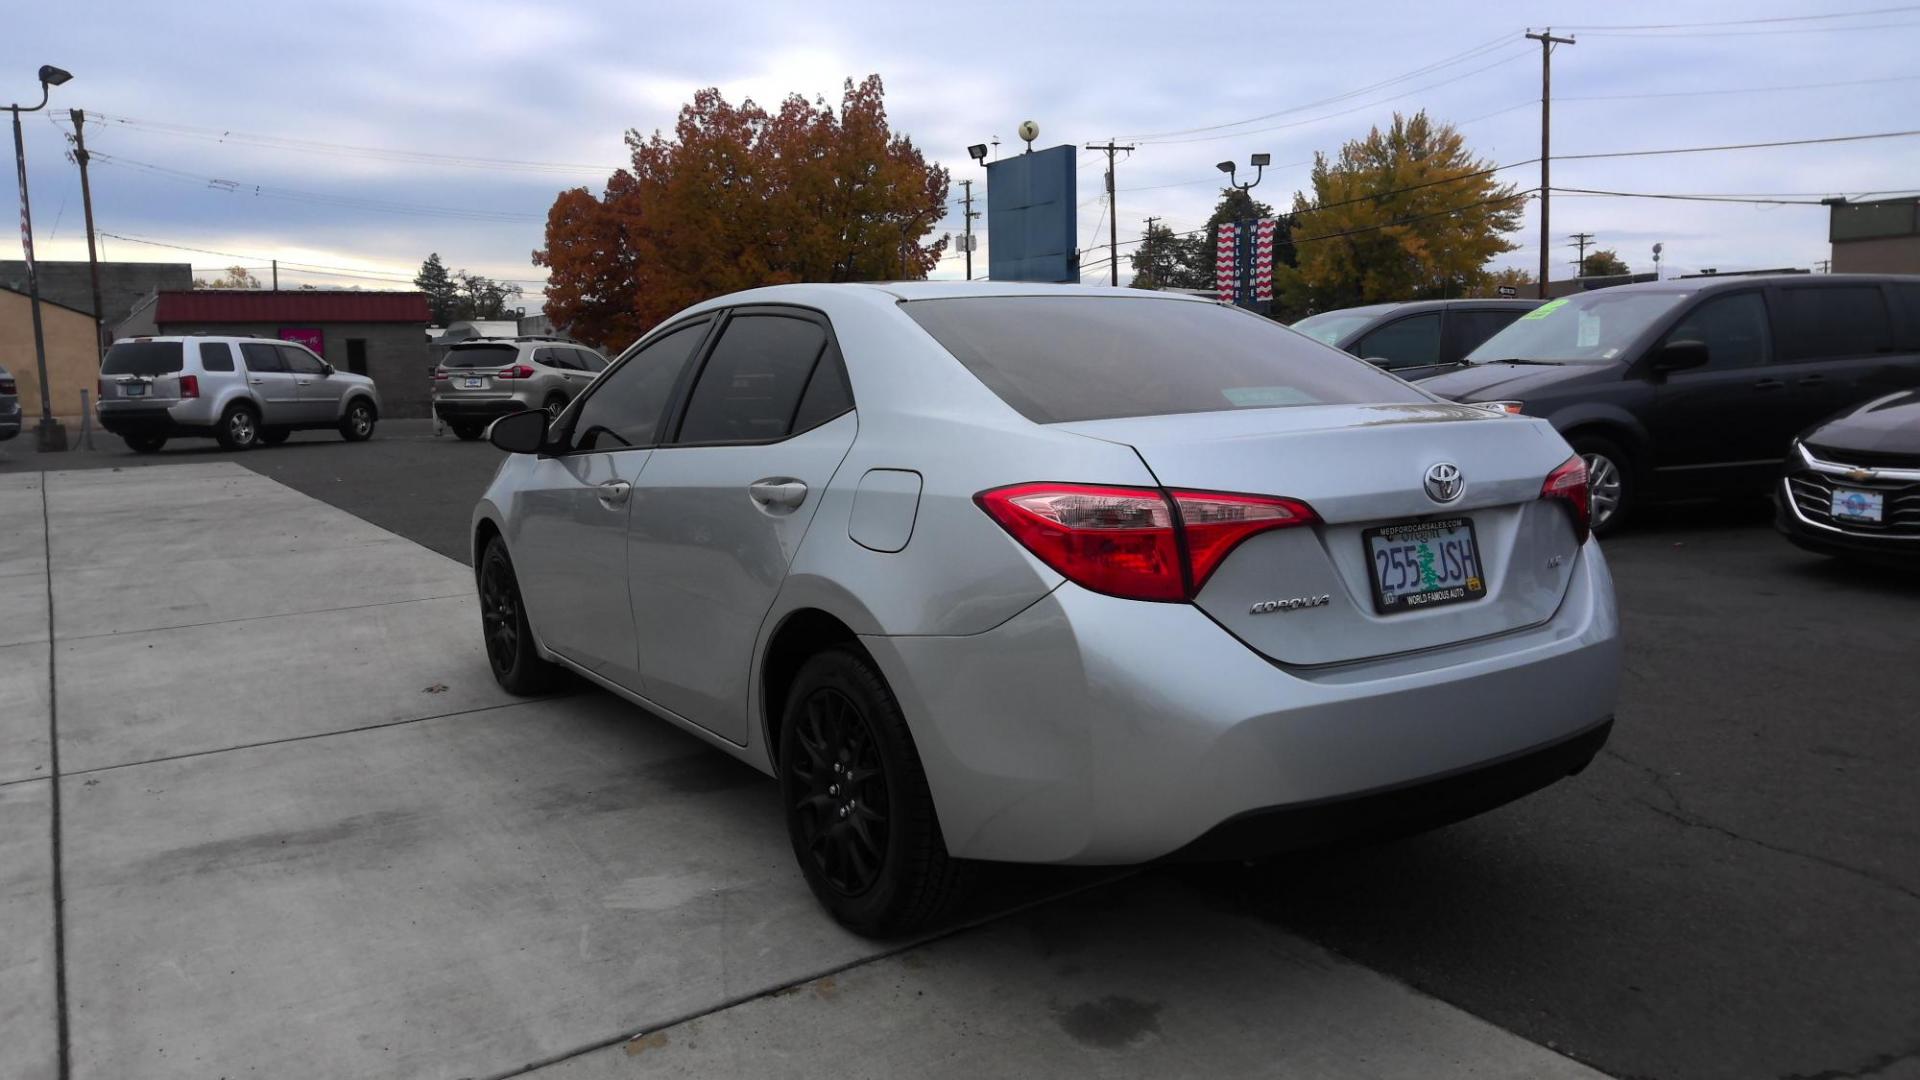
1053,575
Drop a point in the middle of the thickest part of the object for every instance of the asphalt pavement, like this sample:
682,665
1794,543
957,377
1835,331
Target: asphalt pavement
1731,890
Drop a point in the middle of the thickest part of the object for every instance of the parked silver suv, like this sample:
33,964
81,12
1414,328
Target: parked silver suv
241,391
487,378
9,406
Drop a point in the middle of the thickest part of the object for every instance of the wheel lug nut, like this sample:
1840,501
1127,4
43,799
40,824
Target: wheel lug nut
834,790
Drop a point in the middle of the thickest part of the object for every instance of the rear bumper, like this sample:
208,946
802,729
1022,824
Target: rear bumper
122,419
10,421
456,410
1093,730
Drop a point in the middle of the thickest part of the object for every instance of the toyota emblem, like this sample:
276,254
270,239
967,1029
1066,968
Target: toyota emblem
1444,482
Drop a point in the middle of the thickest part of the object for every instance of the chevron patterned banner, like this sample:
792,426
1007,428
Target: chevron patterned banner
1226,271
1263,259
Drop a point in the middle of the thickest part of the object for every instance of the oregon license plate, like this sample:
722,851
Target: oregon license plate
473,382
1422,564
1851,504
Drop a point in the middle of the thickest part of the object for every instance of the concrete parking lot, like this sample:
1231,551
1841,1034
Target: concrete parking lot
300,832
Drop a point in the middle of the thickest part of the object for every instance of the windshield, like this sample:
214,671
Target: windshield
1332,326
141,358
1591,328
464,356
1060,358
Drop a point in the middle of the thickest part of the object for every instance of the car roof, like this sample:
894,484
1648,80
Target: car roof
1724,282
1401,306
889,292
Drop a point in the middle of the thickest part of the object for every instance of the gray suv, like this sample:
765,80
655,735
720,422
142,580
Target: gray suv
487,378
241,391
9,406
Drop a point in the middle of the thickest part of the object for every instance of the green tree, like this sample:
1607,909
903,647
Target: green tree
1521,281
482,297
1403,214
1603,263
1167,260
442,294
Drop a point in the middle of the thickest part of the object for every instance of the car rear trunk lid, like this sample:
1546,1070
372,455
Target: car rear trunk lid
1361,467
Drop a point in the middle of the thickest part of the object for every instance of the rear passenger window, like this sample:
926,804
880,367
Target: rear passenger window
1734,329
1410,342
1833,322
590,361
556,358
260,356
1906,306
827,393
750,387
624,409
216,356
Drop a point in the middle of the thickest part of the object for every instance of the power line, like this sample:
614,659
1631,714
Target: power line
1343,112
1690,198
323,270
1741,146
241,187
1746,22
415,157
1748,33
1460,57
1738,90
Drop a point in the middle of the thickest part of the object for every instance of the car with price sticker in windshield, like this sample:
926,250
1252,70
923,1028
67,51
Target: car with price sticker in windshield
1047,574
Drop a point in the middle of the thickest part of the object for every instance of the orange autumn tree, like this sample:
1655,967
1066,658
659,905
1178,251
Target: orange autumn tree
737,198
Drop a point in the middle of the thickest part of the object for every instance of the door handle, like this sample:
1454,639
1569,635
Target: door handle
1769,384
256,382
1812,380
304,382
786,494
613,493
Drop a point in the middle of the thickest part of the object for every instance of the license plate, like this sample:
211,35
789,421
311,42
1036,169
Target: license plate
1423,564
473,382
1850,504
134,389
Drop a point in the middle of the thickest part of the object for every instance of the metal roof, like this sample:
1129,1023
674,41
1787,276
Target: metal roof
294,306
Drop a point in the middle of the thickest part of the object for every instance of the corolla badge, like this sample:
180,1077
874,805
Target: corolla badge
1292,603
1444,482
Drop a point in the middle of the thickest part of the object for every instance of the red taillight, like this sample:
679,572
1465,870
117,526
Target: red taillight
1568,483
8,386
517,371
1128,541
439,375
189,386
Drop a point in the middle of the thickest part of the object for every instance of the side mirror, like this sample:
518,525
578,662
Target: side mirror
326,368
524,432
1680,355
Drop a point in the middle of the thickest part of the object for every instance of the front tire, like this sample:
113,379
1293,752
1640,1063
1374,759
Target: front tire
1610,482
357,425
468,432
239,427
859,812
145,444
516,664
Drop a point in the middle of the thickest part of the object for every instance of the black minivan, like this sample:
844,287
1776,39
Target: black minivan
1695,387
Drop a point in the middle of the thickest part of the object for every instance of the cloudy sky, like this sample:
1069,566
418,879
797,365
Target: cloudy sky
358,135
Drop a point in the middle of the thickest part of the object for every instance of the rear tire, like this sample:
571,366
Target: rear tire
274,436
468,432
239,427
516,664
145,444
357,424
859,812
554,406
1610,482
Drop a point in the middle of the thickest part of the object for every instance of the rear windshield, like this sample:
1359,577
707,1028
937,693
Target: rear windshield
481,355
141,358
1059,358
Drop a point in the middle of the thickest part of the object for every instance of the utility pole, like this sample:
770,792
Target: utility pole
1547,42
276,275
1580,240
1113,210
1826,266
79,118
967,217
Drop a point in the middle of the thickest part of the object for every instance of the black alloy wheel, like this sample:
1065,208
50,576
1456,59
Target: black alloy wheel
860,815
516,664
842,792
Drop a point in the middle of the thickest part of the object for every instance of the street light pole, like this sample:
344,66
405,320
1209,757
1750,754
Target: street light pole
51,436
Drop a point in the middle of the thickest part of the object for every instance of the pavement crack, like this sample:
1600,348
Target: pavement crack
1676,811
1874,1066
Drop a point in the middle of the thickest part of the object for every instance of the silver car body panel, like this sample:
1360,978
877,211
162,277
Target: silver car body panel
1057,724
